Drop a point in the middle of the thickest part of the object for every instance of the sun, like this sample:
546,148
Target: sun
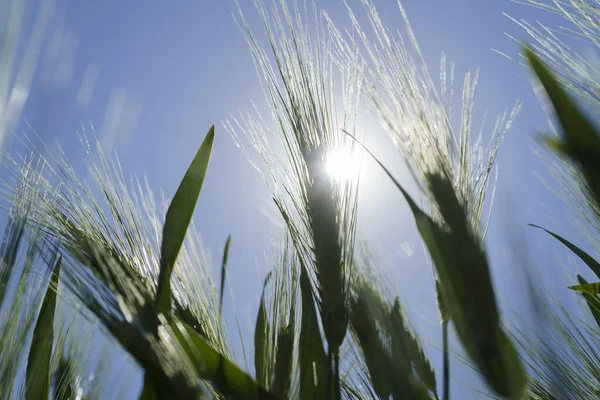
342,165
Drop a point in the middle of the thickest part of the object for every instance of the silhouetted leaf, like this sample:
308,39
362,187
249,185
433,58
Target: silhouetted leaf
463,271
581,140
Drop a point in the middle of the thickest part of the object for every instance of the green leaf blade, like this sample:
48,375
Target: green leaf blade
227,377
585,257
591,288
592,300
37,380
261,335
178,219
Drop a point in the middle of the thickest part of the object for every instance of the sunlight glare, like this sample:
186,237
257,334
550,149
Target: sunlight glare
342,165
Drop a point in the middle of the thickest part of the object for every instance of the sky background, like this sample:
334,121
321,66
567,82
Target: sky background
152,77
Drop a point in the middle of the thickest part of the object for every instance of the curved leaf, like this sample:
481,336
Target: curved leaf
585,257
178,218
227,377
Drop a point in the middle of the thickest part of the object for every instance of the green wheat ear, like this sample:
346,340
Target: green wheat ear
297,71
580,139
461,264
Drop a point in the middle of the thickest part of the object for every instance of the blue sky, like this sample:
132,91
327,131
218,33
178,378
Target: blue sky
177,69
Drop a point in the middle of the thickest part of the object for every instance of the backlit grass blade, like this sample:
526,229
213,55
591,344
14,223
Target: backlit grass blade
224,273
178,218
585,257
581,142
261,342
37,380
591,288
592,300
230,380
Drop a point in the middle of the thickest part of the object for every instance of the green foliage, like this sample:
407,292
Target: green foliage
585,257
64,380
178,218
397,365
230,380
319,212
38,365
565,358
592,288
317,305
592,300
261,335
460,260
580,141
